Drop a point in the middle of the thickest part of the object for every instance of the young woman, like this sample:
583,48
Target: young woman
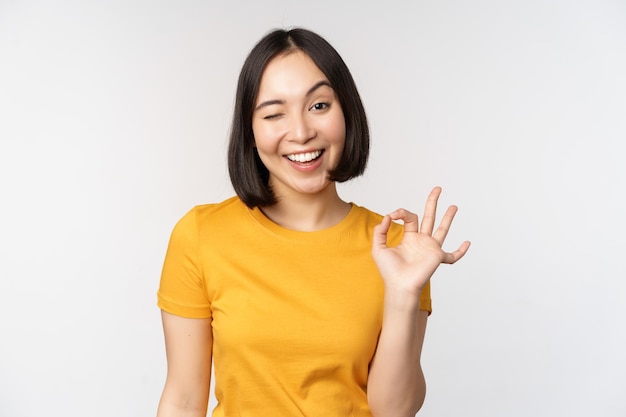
307,305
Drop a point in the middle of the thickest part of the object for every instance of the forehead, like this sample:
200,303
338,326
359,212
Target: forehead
289,74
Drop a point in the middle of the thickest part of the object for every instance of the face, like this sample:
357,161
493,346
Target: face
299,127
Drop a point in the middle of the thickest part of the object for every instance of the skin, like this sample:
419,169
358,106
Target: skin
188,346
394,388
297,112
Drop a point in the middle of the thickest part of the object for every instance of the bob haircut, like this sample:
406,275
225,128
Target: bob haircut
250,178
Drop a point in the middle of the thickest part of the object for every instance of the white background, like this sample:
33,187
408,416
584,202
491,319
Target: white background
113,123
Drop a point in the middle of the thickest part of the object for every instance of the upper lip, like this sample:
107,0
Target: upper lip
304,151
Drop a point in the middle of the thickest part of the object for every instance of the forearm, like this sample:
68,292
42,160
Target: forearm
396,385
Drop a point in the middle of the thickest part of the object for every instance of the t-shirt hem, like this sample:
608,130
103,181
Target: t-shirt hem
183,311
426,306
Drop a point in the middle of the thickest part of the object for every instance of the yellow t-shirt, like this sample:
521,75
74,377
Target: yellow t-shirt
295,315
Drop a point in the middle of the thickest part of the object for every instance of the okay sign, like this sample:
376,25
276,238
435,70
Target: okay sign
411,264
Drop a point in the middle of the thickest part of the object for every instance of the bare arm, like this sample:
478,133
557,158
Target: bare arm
188,345
396,386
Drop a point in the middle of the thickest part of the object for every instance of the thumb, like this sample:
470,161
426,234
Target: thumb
379,240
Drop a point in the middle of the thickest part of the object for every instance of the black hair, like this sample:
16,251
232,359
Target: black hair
247,173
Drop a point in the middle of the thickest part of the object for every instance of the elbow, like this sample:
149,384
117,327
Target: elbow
410,410
396,411
396,405
177,402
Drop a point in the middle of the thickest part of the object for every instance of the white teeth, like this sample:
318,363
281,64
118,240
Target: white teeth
304,157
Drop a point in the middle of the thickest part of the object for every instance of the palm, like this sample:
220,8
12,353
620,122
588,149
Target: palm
411,264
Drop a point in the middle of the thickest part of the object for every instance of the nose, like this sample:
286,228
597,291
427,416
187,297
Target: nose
301,130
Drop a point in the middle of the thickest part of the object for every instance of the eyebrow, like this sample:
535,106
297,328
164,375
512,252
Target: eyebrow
308,93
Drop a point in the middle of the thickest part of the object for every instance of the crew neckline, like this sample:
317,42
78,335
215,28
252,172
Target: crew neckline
303,236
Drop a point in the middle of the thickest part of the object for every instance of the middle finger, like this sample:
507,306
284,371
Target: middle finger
430,212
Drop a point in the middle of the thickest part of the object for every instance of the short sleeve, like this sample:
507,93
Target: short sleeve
182,290
425,300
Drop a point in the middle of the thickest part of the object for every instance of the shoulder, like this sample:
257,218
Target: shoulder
205,217
206,214
206,223
366,215
230,206
370,219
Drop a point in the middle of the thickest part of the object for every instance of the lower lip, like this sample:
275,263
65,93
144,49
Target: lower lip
310,166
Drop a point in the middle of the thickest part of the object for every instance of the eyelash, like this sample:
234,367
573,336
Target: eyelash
316,106
325,106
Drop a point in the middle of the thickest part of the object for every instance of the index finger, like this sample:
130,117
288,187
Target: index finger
409,219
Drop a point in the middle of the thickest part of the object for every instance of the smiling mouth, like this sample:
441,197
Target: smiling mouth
305,157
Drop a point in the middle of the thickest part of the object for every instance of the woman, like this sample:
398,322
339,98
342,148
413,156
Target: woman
307,305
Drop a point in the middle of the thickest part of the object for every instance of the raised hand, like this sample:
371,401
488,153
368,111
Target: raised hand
409,266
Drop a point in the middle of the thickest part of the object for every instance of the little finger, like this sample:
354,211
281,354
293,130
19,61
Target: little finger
450,258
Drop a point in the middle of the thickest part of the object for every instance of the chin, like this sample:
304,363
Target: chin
316,189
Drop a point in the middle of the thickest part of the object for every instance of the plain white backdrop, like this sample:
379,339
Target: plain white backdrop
114,119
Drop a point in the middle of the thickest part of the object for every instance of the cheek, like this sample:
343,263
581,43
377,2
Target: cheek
260,137
336,129
265,135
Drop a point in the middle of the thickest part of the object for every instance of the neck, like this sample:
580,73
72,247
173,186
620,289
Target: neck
309,212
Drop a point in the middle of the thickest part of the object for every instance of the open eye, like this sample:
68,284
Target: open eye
319,106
